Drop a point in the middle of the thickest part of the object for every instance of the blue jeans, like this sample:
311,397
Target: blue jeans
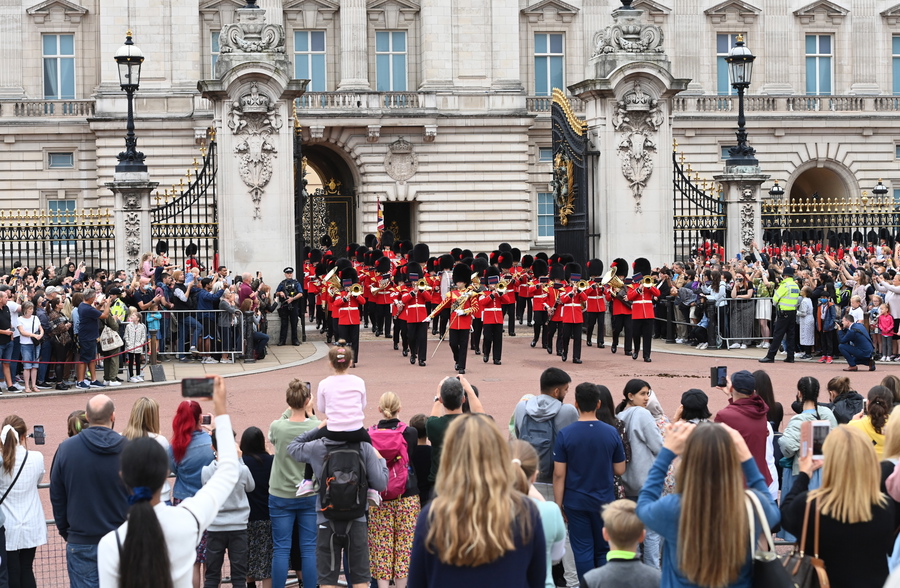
186,322
81,561
29,356
46,356
285,513
586,534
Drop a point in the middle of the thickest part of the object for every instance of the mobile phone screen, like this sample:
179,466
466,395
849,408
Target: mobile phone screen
39,438
820,432
197,387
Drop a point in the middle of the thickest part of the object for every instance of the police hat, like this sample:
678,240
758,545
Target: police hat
288,270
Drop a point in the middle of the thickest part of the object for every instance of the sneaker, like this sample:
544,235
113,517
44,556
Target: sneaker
823,359
193,350
112,383
679,341
702,346
97,384
829,359
782,352
208,360
184,359
743,346
764,345
43,386
226,361
734,346
374,497
134,379
141,378
14,390
83,385
306,488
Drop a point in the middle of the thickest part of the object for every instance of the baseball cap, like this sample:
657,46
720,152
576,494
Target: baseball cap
744,382
695,400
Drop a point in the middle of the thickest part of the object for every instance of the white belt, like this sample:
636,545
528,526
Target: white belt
493,310
415,306
578,304
642,302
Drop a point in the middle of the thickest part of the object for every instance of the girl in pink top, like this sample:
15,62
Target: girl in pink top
886,328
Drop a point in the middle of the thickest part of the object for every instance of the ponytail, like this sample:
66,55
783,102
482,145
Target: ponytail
881,402
525,464
13,428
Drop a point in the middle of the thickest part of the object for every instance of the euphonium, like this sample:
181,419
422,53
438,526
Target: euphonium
612,280
356,290
582,285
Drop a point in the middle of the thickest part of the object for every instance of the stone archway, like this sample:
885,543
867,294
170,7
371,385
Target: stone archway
331,203
821,181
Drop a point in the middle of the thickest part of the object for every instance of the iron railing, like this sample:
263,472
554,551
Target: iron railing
836,222
699,211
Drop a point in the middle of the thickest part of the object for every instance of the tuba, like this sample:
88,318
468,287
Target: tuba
612,280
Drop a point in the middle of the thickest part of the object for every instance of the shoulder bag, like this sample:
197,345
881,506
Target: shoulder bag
16,479
768,572
807,571
110,339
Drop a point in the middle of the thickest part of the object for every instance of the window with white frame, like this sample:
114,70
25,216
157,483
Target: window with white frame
724,43
545,214
59,67
895,63
390,61
60,160
549,63
819,60
214,50
545,154
309,59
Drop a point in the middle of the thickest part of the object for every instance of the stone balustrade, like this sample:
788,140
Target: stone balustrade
368,101
692,105
541,104
46,109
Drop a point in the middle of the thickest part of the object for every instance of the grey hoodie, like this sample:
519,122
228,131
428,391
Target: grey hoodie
646,443
542,408
235,511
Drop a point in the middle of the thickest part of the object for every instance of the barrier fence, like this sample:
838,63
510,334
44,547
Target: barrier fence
749,330
216,334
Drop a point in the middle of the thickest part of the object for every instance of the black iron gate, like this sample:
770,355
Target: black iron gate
330,213
699,211
570,186
189,222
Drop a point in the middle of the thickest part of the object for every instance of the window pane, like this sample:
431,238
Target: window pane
556,43
51,91
301,67
824,75
214,42
318,73
540,43
545,154
895,66
382,41
399,41
318,40
825,44
301,41
722,43
383,72
811,75
67,44
540,76
810,44
67,78
49,44
556,73
895,44
58,160
399,84
722,85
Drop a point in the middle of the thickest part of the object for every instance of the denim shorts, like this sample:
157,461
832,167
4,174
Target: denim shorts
6,351
30,354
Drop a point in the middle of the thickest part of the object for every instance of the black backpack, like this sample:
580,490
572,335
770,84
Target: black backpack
344,483
541,435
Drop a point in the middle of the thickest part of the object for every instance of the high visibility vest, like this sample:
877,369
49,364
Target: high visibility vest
787,296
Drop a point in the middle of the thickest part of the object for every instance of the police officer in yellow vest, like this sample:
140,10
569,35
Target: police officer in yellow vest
786,301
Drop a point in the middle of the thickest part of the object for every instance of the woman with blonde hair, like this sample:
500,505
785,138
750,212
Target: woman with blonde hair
393,522
144,422
26,528
477,531
707,513
856,521
524,456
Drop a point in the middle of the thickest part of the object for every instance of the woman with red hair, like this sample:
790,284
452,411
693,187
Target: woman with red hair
190,450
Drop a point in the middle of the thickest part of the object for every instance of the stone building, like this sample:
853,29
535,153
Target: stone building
439,109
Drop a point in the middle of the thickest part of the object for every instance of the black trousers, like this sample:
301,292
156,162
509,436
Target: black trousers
493,338
369,313
598,319
570,331
418,340
459,345
785,328
443,319
399,332
549,332
621,322
523,306
335,323
238,554
350,334
21,568
540,317
509,311
383,319
642,330
289,315
475,339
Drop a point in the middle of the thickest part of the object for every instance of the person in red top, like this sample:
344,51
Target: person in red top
416,312
596,304
621,308
523,291
642,316
349,307
479,266
537,295
554,308
491,305
397,313
571,300
507,261
747,413
466,302
378,293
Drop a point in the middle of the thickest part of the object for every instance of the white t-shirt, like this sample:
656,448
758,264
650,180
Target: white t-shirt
31,327
342,399
857,314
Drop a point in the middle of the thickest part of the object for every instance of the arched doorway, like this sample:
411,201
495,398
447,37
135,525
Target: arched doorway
330,209
819,184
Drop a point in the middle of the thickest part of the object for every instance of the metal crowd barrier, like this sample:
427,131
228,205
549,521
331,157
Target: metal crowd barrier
180,329
673,315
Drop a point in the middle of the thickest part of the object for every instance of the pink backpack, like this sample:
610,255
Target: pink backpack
392,447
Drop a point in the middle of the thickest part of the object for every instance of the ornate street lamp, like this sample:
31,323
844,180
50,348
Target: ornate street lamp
740,65
776,191
129,59
880,189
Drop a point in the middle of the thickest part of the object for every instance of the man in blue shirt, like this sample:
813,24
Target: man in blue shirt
587,455
208,300
855,344
89,318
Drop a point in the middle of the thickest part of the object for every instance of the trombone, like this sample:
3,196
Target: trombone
356,290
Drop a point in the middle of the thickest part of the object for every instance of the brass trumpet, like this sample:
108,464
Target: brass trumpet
648,282
582,285
502,287
356,290
422,285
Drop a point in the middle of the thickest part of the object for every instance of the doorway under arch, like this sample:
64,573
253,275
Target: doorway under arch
330,209
819,184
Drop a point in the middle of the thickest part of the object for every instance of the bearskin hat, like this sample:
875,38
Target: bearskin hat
420,253
349,273
191,249
573,269
370,241
505,260
539,268
462,273
162,247
414,269
642,266
621,267
387,239
557,273
527,261
595,267
314,255
446,261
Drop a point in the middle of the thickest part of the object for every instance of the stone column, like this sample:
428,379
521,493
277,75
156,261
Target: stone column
132,215
777,20
743,207
437,39
11,85
866,60
505,46
354,47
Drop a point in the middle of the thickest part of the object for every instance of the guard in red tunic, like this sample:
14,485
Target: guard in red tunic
621,308
571,300
479,266
491,305
523,291
416,312
349,304
554,308
378,293
595,312
463,304
537,295
641,293
506,261
397,313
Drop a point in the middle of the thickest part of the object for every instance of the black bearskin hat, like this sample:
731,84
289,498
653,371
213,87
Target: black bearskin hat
383,264
420,253
370,240
527,261
539,267
621,267
162,247
191,249
503,247
413,268
595,267
557,273
642,266
387,239
461,273
456,252
516,254
504,260
446,261
325,241
572,269
315,255
349,274
479,265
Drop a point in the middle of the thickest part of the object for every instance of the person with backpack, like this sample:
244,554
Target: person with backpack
347,470
392,524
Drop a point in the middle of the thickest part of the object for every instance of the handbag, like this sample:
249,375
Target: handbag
807,571
768,572
110,339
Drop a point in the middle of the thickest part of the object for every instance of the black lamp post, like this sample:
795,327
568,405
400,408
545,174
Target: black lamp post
129,59
740,65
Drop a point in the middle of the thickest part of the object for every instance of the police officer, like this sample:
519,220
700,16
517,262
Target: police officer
786,300
289,293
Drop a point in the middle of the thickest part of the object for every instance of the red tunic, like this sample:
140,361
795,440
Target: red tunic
348,309
491,307
540,300
642,301
464,322
570,306
414,302
596,298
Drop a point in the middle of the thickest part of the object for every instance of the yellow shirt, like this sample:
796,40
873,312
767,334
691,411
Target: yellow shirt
865,425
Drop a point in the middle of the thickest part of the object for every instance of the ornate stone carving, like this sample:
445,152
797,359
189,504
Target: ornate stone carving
747,222
637,119
251,34
255,118
430,133
401,163
628,35
132,237
374,133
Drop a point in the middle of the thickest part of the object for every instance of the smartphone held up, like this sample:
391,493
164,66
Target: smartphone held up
197,387
812,438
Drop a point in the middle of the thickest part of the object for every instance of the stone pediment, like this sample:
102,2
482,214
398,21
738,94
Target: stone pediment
734,11
389,12
892,14
654,10
310,11
56,10
219,12
821,11
550,10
